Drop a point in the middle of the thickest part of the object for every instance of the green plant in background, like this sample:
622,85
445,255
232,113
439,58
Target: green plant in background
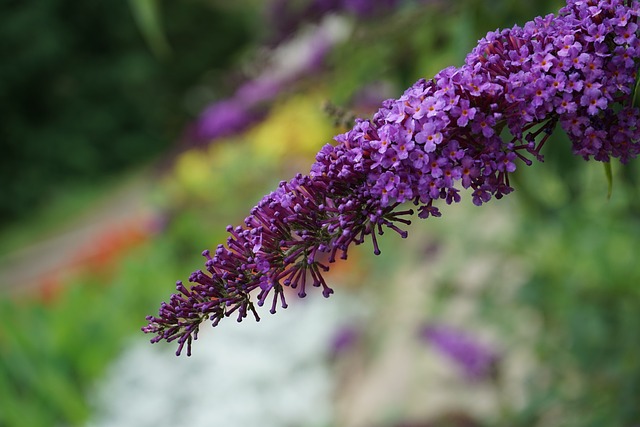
83,98
587,297
51,352
583,285
147,14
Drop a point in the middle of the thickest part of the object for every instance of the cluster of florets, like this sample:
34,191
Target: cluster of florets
442,135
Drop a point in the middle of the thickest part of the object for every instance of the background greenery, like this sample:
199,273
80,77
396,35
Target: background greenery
84,98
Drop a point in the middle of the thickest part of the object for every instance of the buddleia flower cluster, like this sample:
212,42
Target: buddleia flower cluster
466,128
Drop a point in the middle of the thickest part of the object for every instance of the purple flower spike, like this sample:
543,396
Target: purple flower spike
476,360
577,69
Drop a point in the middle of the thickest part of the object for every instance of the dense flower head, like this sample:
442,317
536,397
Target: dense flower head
443,135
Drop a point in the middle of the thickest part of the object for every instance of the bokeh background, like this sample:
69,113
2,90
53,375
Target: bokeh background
133,132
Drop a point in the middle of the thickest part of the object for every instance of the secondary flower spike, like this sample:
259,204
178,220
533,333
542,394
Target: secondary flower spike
576,69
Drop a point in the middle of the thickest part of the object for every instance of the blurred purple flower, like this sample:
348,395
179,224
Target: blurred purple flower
344,339
235,114
475,359
319,48
366,8
258,90
221,119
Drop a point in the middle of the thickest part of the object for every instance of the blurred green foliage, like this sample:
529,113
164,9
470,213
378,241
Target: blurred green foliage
83,97
148,16
50,352
584,286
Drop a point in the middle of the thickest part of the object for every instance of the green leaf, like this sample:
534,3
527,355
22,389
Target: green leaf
147,16
607,172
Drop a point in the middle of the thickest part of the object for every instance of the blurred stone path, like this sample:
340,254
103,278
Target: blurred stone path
120,219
